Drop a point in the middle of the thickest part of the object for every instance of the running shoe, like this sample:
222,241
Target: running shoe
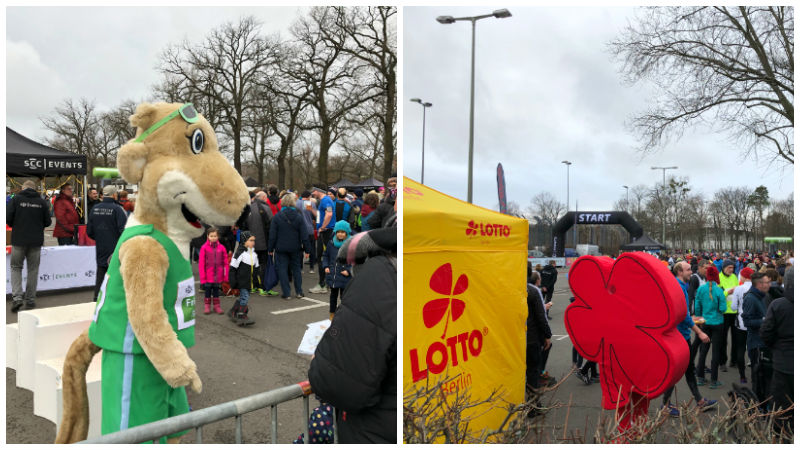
701,381
715,384
706,404
672,410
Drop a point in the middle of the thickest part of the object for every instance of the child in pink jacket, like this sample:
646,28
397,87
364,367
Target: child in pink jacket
213,269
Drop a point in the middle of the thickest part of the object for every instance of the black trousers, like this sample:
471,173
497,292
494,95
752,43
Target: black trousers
740,342
533,354
336,294
543,359
322,241
782,391
716,333
730,324
101,274
691,380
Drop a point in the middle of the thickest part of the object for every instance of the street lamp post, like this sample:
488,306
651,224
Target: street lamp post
568,163
627,204
425,106
664,187
445,20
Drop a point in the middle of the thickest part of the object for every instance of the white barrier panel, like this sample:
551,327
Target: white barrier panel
62,267
47,333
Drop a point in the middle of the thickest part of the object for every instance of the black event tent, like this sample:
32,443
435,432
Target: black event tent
25,157
644,243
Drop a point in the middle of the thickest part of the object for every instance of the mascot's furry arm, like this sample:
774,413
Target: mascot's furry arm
182,179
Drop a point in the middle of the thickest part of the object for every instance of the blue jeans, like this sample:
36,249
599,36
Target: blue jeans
244,296
287,261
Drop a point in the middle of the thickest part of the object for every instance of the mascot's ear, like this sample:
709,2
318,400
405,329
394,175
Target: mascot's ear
144,116
131,160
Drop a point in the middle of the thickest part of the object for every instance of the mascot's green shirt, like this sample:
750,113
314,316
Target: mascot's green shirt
110,329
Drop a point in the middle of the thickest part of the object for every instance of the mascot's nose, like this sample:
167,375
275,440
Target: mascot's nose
241,220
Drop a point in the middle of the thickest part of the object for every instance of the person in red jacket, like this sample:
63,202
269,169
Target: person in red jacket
66,216
213,269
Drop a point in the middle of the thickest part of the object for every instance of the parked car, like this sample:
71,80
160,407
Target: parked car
535,254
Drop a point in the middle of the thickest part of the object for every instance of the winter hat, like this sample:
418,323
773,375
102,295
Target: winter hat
712,274
359,193
726,263
342,225
244,236
109,190
746,273
370,243
752,266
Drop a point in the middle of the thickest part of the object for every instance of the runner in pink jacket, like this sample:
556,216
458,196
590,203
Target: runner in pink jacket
213,269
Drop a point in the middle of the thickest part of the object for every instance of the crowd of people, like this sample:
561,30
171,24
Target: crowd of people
349,238
737,304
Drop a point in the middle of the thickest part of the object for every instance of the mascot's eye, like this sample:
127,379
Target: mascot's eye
197,141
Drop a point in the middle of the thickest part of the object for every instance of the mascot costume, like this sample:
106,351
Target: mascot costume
144,319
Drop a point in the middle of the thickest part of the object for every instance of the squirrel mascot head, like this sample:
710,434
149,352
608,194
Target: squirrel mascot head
183,178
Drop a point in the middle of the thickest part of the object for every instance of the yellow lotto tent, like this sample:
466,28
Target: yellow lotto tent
464,301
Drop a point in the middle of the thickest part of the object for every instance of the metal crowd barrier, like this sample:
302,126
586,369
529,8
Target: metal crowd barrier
197,419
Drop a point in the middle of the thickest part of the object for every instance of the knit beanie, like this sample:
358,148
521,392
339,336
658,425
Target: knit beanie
244,236
746,273
342,225
726,263
712,274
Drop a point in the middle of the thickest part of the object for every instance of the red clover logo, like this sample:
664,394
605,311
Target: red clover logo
444,308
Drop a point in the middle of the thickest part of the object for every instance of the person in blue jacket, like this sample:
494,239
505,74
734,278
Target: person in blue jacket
106,223
753,312
288,239
337,274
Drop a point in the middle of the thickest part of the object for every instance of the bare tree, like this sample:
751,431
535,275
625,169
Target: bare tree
335,80
546,208
372,39
73,124
226,68
287,103
733,66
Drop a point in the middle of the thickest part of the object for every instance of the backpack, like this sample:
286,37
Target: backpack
341,211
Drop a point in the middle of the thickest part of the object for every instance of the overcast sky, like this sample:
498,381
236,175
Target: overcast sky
106,54
546,90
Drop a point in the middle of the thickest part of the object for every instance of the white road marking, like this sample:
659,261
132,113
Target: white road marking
318,304
560,337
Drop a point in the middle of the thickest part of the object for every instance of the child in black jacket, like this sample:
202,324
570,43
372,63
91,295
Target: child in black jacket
244,275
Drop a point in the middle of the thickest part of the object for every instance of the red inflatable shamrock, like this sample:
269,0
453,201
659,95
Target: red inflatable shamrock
625,318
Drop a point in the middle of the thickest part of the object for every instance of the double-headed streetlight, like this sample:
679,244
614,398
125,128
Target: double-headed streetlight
664,187
425,106
499,14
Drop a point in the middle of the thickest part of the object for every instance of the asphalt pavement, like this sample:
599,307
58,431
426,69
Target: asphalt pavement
233,362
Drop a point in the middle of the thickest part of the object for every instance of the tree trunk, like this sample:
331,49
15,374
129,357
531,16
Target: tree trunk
388,121
324,146
291,167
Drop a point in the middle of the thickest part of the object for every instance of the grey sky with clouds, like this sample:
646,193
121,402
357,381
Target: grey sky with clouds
105,54
546,90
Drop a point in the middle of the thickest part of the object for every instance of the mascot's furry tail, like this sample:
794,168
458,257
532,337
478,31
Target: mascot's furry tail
75,423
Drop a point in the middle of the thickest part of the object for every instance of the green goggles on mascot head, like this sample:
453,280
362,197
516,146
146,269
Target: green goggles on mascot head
189,114
186,111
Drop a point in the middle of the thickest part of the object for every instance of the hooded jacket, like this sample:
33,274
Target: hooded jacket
28,215
355,365
777,329
335,278
213,263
